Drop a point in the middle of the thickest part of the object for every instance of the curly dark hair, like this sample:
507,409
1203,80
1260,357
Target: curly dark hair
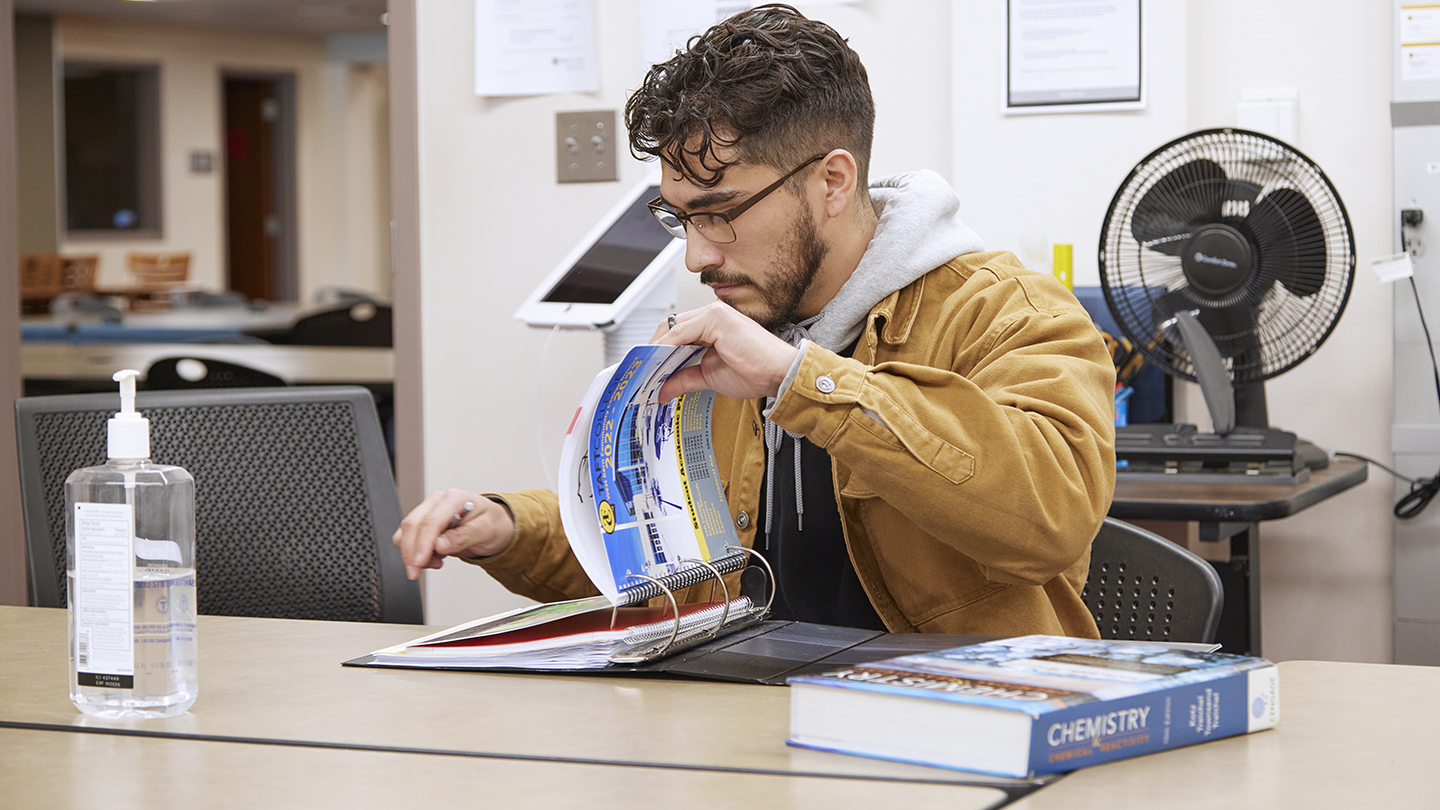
769,83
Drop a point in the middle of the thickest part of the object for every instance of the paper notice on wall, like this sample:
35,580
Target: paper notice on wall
1419,43
530,47
1073,54
666,26
1393,268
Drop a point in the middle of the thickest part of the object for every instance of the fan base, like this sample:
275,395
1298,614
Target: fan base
1180,452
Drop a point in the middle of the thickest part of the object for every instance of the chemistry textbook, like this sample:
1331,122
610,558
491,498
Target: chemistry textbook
1034,705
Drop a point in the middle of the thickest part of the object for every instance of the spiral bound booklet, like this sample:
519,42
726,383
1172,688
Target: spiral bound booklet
644,511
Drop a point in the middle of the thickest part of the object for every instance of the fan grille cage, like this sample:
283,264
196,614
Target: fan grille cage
1137,275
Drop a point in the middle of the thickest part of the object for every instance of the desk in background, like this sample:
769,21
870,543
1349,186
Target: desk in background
196,324
1233,509
83,366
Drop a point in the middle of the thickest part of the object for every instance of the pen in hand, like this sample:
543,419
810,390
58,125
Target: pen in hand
459,517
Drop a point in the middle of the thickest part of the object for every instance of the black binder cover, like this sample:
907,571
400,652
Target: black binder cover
766,653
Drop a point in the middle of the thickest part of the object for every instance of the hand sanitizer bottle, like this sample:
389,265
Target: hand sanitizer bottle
130,559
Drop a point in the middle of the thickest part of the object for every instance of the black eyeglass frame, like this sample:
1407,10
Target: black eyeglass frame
728,217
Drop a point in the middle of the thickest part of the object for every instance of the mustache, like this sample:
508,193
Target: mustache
710,277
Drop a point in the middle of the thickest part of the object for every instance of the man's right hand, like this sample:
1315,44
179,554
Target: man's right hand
425,537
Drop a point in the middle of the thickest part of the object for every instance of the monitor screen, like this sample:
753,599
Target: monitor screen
615,260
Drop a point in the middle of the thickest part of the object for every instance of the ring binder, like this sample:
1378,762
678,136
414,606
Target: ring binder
651,654
724,614
769,573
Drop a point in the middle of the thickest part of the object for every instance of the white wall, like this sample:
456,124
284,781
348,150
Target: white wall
342,172
494,222
1326,576
1049,177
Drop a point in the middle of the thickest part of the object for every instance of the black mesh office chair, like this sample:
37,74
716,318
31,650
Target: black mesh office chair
1142,586
295,502
179,373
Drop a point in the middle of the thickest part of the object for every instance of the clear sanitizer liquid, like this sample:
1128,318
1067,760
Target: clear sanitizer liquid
130,561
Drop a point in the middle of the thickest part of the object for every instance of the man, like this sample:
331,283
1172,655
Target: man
918,436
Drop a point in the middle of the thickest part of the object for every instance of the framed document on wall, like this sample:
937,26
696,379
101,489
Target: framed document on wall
1073,56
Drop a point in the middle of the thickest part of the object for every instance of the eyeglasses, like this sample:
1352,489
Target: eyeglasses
716,226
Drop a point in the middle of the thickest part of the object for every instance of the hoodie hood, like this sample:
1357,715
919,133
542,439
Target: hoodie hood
919,230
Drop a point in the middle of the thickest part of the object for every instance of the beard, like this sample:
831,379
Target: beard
795,268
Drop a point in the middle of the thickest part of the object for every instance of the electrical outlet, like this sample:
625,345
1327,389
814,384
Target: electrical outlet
585,146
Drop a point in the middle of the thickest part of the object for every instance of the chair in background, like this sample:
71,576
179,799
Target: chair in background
155,276
181,373
360,324
1144,587
295,502
77,273
158,271
40,281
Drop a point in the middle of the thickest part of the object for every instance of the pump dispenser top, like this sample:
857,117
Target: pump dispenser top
128,432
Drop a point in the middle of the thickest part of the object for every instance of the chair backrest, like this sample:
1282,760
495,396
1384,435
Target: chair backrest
158,270
1144,587
77,273
179,373
359,324
295,502
40,275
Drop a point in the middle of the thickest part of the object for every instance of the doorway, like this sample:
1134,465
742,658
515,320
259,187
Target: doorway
260,221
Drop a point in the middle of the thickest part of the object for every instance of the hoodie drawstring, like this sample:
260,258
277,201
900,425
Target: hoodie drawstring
793,334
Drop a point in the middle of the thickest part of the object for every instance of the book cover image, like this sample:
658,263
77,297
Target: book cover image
656,504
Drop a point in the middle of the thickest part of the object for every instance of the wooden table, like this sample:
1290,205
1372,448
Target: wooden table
56,770
1233,509
1350,735
278,685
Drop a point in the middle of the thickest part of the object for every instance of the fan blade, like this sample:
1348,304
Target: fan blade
1289,241
1188,196
1241,191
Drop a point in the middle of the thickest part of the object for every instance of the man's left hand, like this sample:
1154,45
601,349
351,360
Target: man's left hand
744,360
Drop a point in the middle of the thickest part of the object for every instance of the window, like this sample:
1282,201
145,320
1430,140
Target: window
112,149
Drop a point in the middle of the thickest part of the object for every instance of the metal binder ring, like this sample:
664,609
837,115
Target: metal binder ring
725,613
675,631
768,571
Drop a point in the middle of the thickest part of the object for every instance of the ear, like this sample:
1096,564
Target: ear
840,175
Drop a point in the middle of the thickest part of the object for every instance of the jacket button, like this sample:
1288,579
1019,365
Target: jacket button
825,384
742,520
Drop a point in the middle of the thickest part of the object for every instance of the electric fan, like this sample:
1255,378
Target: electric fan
1226,257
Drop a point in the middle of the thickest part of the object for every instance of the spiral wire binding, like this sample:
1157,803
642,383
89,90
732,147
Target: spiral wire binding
725,589
683,578
696,572
656,652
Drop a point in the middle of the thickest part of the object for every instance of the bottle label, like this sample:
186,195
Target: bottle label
104,595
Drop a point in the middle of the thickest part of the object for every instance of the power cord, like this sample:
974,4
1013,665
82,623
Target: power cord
1422,490
540,410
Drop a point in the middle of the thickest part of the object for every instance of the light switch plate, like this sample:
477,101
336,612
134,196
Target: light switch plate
585,144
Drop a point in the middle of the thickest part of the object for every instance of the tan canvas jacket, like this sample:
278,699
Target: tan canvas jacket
972,442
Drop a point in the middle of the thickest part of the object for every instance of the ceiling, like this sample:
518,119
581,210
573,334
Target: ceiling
288,16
